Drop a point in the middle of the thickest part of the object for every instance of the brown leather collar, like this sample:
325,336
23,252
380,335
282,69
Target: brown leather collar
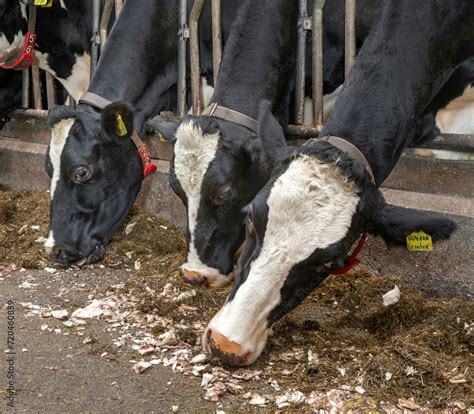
348,148
95,100
236,117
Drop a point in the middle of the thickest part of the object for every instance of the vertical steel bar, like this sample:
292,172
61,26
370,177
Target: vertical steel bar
194,55
301,64
104,21
183,34
318,64
216,38
118,7
349,35
35,75
95,35
50,92
25,96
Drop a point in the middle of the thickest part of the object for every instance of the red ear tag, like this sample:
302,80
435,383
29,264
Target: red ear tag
25,60
148,166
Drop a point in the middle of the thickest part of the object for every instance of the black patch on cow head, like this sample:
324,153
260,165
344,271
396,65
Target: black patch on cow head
99,178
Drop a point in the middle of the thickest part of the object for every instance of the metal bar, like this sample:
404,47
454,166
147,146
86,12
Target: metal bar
95,35
183,35
35,75
30,113
349,35
318,64
118,7
104,21
50,91
302,131
216,38
194,55
25,94
301,64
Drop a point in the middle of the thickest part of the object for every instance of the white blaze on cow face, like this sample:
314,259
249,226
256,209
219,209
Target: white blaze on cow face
59,134
310,207
194,151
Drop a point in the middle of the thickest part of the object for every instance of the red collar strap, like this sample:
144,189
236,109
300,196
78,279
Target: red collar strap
21,58
24,59
352,260
149,167
142,149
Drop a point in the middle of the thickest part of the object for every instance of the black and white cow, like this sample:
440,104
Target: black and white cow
96,174
218,165
63,39
320,199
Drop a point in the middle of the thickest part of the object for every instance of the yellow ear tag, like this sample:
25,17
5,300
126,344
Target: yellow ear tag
43,3
419,241
162,138
121,128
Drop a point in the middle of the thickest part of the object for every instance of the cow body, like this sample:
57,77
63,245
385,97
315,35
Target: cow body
319,198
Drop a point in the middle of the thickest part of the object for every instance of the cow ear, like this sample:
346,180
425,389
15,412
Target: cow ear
394,224
59,113
269,130
117,121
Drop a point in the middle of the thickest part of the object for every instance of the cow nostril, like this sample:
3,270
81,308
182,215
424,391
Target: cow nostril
194,278
228,351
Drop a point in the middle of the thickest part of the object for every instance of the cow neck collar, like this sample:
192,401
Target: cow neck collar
347,147
100,103
21,58
354,152
221,112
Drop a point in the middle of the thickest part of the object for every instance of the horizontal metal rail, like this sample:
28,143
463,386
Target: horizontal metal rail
30,113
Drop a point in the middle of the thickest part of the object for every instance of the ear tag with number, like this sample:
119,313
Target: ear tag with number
121,128
43,3
419,241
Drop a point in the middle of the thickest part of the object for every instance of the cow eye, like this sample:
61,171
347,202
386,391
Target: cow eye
81,174
223,197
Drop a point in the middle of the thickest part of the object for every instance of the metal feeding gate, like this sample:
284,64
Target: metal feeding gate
306,24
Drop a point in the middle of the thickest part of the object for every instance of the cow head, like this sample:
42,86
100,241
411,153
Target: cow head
13,26
217,169
299,226
95,173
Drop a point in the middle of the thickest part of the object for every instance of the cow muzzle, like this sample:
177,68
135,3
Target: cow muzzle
229,352
208,277
68,257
